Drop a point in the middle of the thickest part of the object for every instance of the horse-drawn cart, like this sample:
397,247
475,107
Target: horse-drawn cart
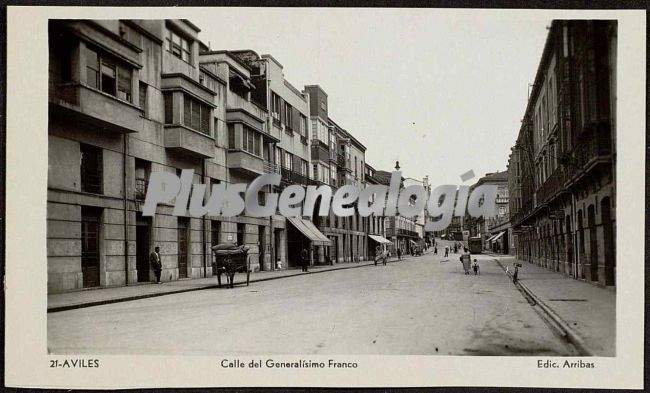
230,259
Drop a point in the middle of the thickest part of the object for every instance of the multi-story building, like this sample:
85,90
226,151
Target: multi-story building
564,215
268,133
337,159
374,224
498,234
126,99
403,232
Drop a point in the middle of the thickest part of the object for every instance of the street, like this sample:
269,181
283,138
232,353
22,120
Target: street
420,306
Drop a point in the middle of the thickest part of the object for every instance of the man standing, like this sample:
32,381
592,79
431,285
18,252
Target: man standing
399,254
156,263
304,256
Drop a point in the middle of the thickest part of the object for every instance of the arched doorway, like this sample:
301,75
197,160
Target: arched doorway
593,244
581,246
610,245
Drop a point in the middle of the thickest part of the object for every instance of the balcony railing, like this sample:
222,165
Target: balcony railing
597,147
290,176
140,189
551,186
271,167
343,162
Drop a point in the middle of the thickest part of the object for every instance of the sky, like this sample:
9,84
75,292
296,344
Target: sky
442,91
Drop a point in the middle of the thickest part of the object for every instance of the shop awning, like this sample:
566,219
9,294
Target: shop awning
498,236
490,238
379,239
310,231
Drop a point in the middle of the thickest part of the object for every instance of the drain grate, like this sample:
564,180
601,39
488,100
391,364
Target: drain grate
567,300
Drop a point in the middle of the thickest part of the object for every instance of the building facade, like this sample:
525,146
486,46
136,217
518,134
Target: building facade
564,214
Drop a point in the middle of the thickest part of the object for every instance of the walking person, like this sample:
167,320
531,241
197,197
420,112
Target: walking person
304,257
399,254
446,252
466,259
156,263
477,270
435,250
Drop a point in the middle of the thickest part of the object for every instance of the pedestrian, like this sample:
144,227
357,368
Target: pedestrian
399,254
477,270
304,256
435,250
446,251
455,249
156,263
466,260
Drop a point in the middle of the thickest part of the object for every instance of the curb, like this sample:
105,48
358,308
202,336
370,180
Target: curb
207,286
566,330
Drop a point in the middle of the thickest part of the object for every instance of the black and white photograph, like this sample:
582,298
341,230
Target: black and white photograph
305,189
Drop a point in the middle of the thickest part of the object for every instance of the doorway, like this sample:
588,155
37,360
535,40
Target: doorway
610,245
262,238
593,244
182,247
90,233
142,246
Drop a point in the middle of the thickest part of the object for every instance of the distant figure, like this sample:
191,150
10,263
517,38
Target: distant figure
435,250
446,251
156,263
477,270
455,248
399,254
304,257
466,260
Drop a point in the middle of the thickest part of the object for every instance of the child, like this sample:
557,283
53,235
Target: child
477,270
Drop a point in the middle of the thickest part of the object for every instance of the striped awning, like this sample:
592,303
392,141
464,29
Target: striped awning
310,231
379,239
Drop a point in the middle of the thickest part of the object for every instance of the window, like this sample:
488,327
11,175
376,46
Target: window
179,46
143,96
250,141
92,68
303,125
323,105
275,106
288,115
231,136
106,74
288,161
196,115
169,108
91,169
142,170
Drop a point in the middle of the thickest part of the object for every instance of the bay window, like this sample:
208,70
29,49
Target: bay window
196,115
108,75
179,46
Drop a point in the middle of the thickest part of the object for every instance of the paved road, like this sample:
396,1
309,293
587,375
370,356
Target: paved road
417,306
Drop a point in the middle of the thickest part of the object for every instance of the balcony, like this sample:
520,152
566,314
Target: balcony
245,163
319,151
77,103
270,167
594,150
343,163
187,141
291,177
553,185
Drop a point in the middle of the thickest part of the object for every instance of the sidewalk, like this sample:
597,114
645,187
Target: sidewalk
99,296
589,311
